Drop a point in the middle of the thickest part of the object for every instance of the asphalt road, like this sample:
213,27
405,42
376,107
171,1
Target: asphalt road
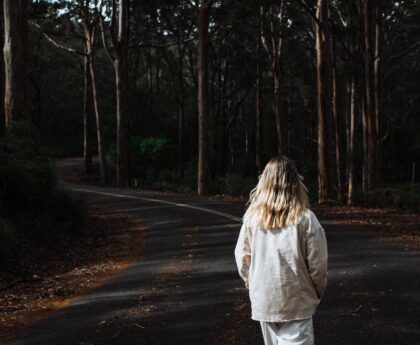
184,288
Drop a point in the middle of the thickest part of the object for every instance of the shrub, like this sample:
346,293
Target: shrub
29,196
150,155
409,199
236,184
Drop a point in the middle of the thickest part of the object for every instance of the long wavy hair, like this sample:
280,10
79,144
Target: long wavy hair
280,197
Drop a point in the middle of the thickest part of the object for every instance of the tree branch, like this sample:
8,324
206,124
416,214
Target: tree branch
150,45
58,44
104,40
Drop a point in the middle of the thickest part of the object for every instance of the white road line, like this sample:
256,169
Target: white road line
203,209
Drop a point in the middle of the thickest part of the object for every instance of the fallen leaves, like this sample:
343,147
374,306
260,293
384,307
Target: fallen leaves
386,222
55,275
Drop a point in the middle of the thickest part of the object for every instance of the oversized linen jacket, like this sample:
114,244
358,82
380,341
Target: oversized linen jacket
284,269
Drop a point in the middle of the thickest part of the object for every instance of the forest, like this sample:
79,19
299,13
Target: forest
133,132
197,96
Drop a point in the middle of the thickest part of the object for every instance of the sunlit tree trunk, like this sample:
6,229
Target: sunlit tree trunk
16,105
2,76
99,130
89,38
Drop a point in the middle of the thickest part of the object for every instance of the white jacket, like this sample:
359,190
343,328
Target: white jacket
285,269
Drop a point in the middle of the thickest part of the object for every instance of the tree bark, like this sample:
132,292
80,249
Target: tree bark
370,163
99,131
350,142
322,94
181,112
377,70
119,58
272,44
121,79
16,102
258,105
364,146
203,106
90,52
334,112
278,110
87,122
2,75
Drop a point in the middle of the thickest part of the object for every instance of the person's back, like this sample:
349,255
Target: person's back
282,256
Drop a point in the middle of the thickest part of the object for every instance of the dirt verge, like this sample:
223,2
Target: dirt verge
386,222
55,275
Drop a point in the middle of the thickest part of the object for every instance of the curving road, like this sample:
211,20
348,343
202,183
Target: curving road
184,288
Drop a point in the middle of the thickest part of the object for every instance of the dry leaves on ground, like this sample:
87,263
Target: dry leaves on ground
54,275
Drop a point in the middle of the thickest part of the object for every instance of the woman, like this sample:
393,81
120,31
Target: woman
281,255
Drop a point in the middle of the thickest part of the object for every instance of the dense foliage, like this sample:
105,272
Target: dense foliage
32,205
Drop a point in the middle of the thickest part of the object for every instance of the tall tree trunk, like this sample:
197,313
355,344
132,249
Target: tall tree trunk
2,76
181,112
181,159
16,102
87,122
322,94
121,79
350,142
99,131
334,112
272,44
151,91
203,106
365,144
89,38
369,98
378,99
328,81
258,106
278,110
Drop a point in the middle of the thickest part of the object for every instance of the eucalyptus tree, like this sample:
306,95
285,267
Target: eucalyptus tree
117,28
203,100
90,17
272,27
16,97
83,15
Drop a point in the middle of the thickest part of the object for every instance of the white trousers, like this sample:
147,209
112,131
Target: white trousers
296,332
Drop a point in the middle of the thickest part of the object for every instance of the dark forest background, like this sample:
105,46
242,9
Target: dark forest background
332,84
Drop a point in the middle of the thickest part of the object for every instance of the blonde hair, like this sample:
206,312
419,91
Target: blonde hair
280,197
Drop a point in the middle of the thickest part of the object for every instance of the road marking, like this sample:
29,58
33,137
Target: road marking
203,209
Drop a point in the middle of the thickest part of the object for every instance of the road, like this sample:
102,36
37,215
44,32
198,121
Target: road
184,289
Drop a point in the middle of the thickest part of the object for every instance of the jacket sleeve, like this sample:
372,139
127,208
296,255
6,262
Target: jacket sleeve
243,253
317,255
